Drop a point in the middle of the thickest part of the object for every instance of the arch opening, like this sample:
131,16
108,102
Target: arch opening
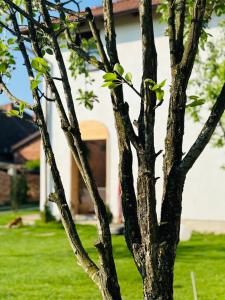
95,136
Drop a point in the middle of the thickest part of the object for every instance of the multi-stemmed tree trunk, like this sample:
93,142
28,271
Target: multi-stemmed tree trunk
153,244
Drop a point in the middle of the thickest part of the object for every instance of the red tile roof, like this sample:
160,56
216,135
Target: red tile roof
122,6
119,7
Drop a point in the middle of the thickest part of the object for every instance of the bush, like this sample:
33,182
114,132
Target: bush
46,215
32,165
19,190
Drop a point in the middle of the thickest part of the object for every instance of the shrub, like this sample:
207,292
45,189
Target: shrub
32,165
19,190
46,214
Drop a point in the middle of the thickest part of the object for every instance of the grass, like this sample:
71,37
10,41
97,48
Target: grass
36,263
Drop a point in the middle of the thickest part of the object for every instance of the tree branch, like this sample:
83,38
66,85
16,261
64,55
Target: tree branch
82,256
96,35
26,15
107,263
147,120
125,135
180,78
51,84
11,97
110,34
172,32
191,46
89,59
180,29
81,16
13,32
205,134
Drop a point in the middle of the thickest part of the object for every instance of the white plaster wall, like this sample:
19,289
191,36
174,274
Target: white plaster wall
205,187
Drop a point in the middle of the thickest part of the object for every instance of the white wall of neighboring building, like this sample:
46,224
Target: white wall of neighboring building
205,187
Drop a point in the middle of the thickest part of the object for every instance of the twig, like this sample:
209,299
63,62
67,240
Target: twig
194,286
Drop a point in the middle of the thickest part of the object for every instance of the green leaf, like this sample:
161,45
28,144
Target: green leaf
113,85
13,113
106,84
56,26
16,48
34,83
160,95
155,87
39,64
128,77
196,103
22,107
193,97
110,76
41,61
3,67
38,75
119,69
11,41
21,18
151,83
49,51
162,83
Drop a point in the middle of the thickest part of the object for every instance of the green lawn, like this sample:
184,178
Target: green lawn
36,263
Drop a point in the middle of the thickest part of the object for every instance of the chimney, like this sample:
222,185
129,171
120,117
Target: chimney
7,107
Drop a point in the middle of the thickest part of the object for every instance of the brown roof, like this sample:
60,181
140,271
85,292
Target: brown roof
121,7
14,129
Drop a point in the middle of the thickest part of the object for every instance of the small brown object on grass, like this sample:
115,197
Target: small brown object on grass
15,223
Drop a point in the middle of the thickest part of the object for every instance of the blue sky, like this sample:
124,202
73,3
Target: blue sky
91,3
19,83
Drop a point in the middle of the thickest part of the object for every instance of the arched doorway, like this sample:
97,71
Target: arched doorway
95,136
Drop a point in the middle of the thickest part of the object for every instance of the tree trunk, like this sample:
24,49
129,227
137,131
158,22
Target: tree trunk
160,287
110,289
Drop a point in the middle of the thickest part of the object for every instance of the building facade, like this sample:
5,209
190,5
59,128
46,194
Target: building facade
204,193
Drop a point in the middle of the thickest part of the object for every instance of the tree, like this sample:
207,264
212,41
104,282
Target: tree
153,244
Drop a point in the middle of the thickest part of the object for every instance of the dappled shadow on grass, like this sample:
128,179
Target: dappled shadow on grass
199,247
178,286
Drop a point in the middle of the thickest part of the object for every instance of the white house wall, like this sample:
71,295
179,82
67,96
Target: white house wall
205,188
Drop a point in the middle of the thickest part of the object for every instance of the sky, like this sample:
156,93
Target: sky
19,83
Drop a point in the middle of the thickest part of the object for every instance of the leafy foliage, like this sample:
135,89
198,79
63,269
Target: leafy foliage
217,7
33,165
17,113
78,66
195,101
207,83
87,98
7,60
157,88
114,79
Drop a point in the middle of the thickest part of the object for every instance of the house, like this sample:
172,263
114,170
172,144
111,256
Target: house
13,131
27,149
203,206
19,143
